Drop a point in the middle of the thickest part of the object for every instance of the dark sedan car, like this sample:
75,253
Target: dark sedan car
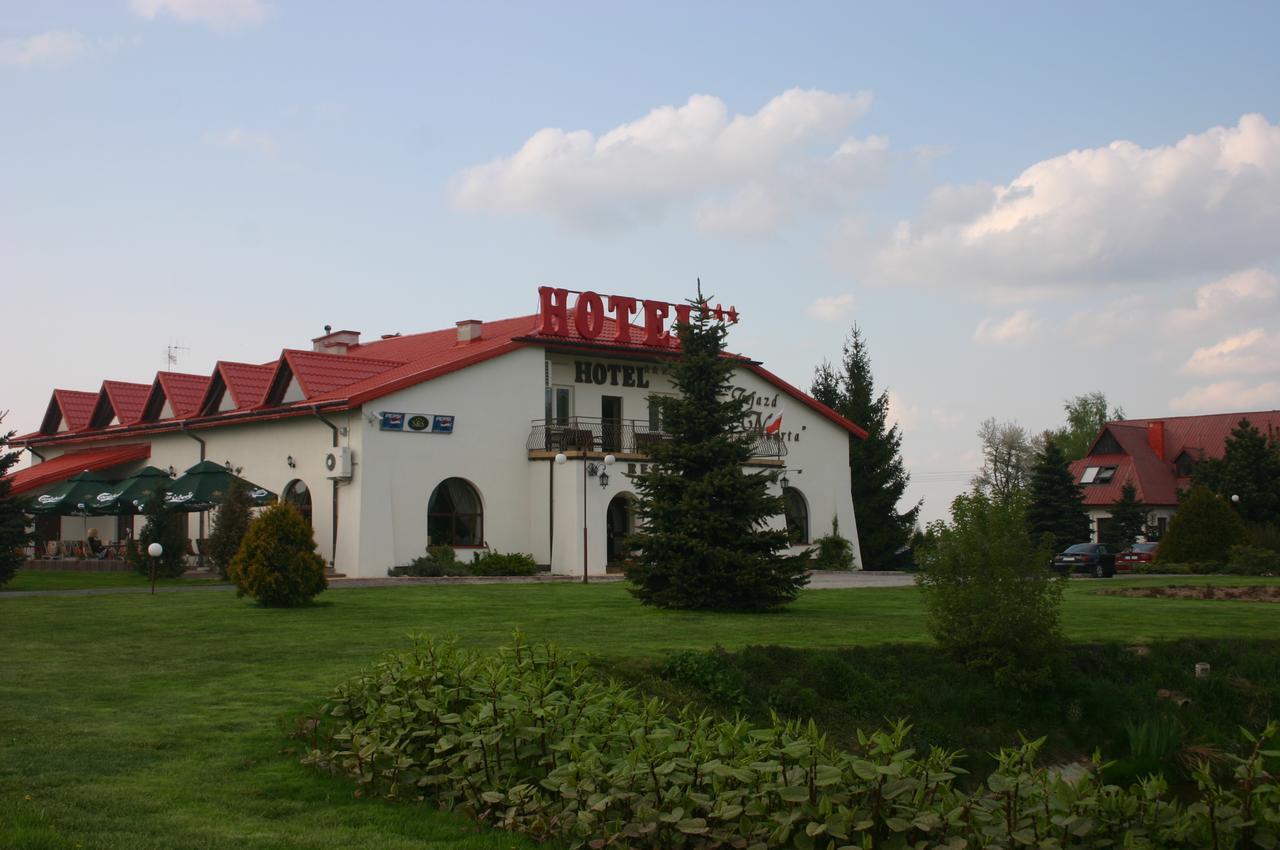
1098,559
1138,553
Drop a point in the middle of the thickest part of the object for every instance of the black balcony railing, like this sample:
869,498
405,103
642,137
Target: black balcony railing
620,436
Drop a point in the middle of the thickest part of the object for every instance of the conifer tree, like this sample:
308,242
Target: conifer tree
1056,503
1250,469
230,525
878,475
1128,519
704,540
13,523
167,527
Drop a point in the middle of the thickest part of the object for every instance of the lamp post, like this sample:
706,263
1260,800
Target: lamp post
588,469
155,550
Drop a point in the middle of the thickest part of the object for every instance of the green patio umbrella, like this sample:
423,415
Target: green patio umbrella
202,486
131,495
70,497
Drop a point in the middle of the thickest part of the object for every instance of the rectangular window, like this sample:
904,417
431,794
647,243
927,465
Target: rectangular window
559,405
1089,474
655,415
1105,474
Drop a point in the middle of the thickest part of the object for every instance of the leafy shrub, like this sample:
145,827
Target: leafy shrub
1263,535
529,740
1152,568
230,525
277,563
1253,561
708,674
834,552
494,563
438,561
167,527
1203,529
988,597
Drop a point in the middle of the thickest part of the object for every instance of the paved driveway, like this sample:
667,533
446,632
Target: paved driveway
836,581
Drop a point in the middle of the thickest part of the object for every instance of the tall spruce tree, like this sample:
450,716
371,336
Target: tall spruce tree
1128,519
1056,503
704,540
13,523
878,475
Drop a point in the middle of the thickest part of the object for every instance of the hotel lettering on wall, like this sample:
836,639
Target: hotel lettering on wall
612,374
557,317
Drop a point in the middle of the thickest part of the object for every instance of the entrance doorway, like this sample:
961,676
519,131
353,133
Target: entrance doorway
611,423
619,522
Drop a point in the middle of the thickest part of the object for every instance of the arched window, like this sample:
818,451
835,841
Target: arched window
797,513
454,515
297,493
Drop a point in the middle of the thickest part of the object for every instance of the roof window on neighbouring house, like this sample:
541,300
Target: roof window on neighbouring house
1098,474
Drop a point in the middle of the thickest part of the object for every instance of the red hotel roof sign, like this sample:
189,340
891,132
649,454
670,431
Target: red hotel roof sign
587,316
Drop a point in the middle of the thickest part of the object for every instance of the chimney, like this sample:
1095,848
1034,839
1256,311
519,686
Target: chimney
1155,438
335,342
470,330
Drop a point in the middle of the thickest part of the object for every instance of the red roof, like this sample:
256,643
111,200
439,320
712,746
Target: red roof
183,391
319,373
71,407
370,370
64,466
126,400
1155,476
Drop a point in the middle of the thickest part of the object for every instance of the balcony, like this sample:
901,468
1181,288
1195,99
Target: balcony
590,434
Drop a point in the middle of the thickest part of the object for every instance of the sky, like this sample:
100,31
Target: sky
1016,203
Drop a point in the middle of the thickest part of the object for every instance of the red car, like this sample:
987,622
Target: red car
1138,553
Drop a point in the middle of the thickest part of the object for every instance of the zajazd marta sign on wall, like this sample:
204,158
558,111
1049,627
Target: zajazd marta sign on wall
422,423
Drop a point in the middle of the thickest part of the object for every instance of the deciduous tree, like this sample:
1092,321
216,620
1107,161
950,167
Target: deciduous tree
1086,414
1007,453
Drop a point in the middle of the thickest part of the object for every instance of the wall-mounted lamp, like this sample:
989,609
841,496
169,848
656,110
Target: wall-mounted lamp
227,465
292,463
172,472
785,481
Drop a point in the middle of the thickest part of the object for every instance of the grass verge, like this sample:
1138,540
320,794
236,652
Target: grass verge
143,722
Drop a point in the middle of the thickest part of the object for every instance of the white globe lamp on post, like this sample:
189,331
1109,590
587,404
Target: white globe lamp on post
155,550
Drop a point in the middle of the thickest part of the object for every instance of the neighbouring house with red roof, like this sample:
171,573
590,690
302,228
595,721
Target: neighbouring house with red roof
1156,456
519,434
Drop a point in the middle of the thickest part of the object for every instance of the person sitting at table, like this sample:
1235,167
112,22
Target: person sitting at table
99,551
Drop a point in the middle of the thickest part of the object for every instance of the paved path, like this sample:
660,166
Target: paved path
817,581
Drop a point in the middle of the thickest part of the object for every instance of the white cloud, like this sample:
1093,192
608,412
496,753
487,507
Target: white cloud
1227,396
1254,352
745,173
1119,213
220,14
913,417
1018,328
832,308
1107,322
246,140
46,50
1242,293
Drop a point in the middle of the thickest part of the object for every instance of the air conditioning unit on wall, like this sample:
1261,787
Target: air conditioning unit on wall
337,462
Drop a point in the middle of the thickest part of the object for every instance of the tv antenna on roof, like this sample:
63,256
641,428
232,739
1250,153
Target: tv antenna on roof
171,354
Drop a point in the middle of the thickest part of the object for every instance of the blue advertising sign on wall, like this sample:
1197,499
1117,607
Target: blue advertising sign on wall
422,423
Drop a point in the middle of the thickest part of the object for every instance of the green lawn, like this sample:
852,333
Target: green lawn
135,721
71,580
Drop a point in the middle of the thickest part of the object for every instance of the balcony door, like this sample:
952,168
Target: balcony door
611,423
